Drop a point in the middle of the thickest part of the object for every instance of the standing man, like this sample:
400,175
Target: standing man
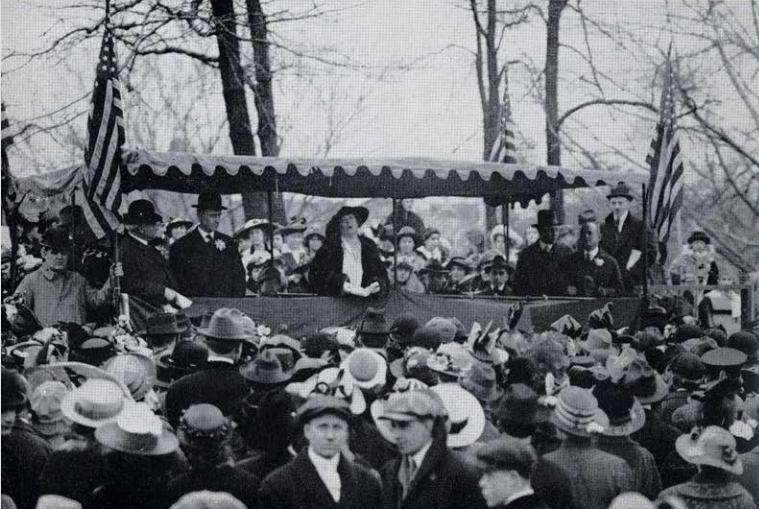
427,474
506,482
591,271
321,476
146,273
623,237
205,262
537,268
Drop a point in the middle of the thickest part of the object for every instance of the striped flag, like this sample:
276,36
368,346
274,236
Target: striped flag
105,129
101,221
504,148
665,188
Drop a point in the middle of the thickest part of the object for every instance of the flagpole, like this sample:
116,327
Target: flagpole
117,280
645,247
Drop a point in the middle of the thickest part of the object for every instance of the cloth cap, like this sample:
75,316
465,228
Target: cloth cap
445,328
414,404
320,404
507,454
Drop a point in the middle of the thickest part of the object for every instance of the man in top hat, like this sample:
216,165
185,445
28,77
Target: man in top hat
56,294
508,465
537,269
348,263
426,474
622,236
500,272
205,262
146,273
219,383
321,476
591,271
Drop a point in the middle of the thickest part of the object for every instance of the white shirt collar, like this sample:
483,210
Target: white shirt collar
138,239
206,235
593,253
420,454
214,358
322,463
326,468
622,217
519,494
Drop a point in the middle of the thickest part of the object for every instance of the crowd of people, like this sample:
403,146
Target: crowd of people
396,414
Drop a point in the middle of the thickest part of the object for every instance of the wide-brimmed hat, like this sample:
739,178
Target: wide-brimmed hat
713,446
366,367
178,222
597,339
166,323
209,200
296,225
261,224
93,351
521,405
405,407
46,407
142,212
625,414
203,426
137,431
306,367
136,371
360,213
227,325
283,341
699,235
577,413
465,414
433,267
374,323
94,403
644,382
480,380
546,218
621,190
57,239
186,357
413,364
459,261
568,326
265,369
500,230
450,359
408,231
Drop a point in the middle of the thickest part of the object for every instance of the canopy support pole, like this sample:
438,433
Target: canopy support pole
269,214
645,247
395,248
72,233
507,227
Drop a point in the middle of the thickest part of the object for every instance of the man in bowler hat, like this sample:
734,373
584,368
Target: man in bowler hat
537,268
205,262
623,237
321,476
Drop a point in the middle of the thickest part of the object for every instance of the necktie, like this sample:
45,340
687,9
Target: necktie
406,473
588,257
616,223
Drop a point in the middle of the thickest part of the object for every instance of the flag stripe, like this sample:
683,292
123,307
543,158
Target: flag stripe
504,147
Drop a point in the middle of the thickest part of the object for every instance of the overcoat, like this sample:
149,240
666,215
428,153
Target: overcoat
704,493
207,269
538,271
527,502
146,272
326,271
620,245
590,276
297,485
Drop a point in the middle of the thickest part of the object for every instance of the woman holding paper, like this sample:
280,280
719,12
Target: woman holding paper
348,263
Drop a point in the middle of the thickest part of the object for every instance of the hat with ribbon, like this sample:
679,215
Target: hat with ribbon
94,403
178,222
499,263
367,368
265,369
137,431
625,414
546,218
577,413
142,212
459,261
136,371
620,191
465,414
227,325
203,426
46,408
209,200
713,446
433,267
261,224
450,359
480,380
93,351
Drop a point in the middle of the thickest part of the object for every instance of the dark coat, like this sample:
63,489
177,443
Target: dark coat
219,384
620,245
641,462
24,453
146,272
537,271
707,493
239,483
74,471
265,463
204,270
297,485
551,484
443,481
590,278
326,271
505,291
657,437
404,218
528,502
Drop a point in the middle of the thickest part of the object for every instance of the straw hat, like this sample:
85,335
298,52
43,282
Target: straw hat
135,370
465,414
95,403
203,426
713,446
577,413
137,431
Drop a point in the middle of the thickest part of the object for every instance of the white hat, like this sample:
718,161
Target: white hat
465,414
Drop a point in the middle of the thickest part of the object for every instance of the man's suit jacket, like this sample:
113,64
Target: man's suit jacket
443,481
526,502
537,271
297,485
207,269
620,245
589,276
219,384
146,272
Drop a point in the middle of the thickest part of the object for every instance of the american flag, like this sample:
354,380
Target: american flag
105,130
665,188
504,148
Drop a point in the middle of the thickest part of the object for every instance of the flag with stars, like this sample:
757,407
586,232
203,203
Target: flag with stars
105,130
665,158
504,148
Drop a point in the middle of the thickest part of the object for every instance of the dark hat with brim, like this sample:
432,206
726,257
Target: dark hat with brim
360,213
57,239
699,235
266,370
546,218
186,357
374,323
142,212
209,200
620,191
459,261
500,263
297,225
433,267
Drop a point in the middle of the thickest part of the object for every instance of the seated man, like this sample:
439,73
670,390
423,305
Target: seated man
56,294
591,271
500,272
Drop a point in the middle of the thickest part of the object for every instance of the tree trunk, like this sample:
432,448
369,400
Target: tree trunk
240,132
555,8
263,94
